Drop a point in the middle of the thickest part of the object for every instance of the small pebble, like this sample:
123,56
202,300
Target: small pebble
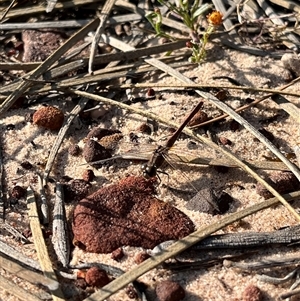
117,254
144,128
48,117
291,62
74,150
93,151
140,257
225,141
110,142
169,291
222,95
252,293
99,133
18,192
81,283
96,277
131,292
26,165
150,92
88,175
75,190
199,118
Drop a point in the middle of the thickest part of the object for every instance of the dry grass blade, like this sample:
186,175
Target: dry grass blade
41,9
288,107
17,291
180,246
43,205
60,237
199,86
43,67
103,17
7,10
17,256
40,245
25,273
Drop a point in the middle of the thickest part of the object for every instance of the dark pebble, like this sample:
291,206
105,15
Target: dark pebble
88,175
169,291
74,150
93,151
96,277
18,192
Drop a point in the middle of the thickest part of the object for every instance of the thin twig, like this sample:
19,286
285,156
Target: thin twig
7,10
43,205
17,291
60,237
40,245
103,17
31,275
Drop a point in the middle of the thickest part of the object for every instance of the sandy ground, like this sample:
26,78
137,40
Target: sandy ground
214,283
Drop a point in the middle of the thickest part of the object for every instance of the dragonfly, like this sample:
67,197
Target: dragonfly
158,157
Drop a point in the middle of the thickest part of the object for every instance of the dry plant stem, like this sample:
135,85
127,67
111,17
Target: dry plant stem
40,245
243,240
103,19
67,23
264,263
60,237
17,291
101,59
180,246
35,9
289,294
7,10
14,232
17,256
198,138
43,205
29,275
60,137
43,67
293,41
199,86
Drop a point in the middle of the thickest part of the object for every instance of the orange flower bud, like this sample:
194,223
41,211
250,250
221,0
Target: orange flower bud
215,18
